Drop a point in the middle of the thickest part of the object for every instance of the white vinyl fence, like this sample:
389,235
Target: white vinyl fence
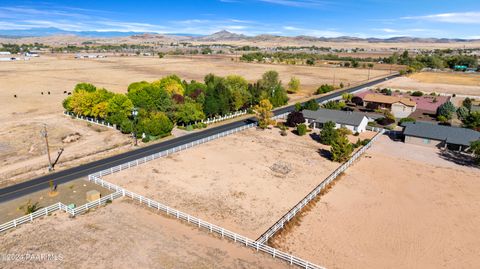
225,117
224,233
295,210
59,206
170,151
91,120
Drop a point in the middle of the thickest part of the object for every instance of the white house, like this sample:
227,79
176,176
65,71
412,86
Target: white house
354,121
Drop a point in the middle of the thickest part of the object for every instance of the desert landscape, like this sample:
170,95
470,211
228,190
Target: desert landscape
124,235
23,116
423,217
441,82
258,177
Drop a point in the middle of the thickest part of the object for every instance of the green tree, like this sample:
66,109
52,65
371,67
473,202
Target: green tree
293,85
189,112
85,87
446,110
467,103
462,113
217,97
347,97
472,121
238,87
278,96
155,124
328,134
311,105
172,84
341,149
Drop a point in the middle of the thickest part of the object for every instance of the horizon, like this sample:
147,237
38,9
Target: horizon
289,18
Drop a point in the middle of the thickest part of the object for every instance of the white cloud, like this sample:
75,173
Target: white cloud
472,17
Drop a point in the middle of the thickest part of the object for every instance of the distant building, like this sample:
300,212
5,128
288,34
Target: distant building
400,107
354,121
5,53
432,135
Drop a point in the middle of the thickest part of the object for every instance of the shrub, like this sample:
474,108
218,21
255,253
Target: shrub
372,106
386,91
301,129
311,105
401,121
295,118
417,93
343,131
357,101
298,107
384,121
325,88
334,105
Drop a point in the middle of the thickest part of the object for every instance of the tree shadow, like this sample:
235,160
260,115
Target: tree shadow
315,136
459,158
325,154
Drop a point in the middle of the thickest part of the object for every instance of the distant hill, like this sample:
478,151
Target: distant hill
222,36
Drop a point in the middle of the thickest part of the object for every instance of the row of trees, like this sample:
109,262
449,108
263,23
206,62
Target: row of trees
170,100
432,60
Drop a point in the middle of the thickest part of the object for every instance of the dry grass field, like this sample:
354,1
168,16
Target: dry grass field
393,209
465,79
257,178
125,235
22,152
458,83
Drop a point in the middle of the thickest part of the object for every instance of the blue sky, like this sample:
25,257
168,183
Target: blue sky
330,18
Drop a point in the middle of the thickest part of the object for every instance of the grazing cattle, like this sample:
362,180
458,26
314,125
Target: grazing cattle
15,96
48,92
42,93
64,92
69,93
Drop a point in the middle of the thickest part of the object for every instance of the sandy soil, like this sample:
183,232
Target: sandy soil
431,84
244,182
125,235
394,209
22,152
73,192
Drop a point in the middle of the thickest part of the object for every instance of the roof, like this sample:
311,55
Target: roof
323,115
386,99
451,135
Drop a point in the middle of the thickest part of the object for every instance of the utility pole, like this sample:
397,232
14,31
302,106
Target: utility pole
44,133
334,76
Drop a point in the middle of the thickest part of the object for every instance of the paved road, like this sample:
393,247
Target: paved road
39,183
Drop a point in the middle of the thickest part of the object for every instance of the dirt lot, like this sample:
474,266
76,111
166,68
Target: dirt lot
394,209
125,235
244,182
458,83
22,150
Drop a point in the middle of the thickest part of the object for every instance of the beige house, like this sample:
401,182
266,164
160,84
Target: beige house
400,107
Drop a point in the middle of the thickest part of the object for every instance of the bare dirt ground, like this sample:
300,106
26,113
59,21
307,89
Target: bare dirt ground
22,152
244,182
458,83
402,206
125,235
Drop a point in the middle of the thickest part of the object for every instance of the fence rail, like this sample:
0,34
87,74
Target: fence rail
90,120
225,117
224,233
297,208
170,151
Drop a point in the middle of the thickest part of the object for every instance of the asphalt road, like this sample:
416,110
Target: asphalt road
40,183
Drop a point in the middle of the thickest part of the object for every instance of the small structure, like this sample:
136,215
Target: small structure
400,107
5,53
93,195
354,121
429,134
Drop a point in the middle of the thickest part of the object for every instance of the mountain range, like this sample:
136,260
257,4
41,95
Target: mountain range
220,36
